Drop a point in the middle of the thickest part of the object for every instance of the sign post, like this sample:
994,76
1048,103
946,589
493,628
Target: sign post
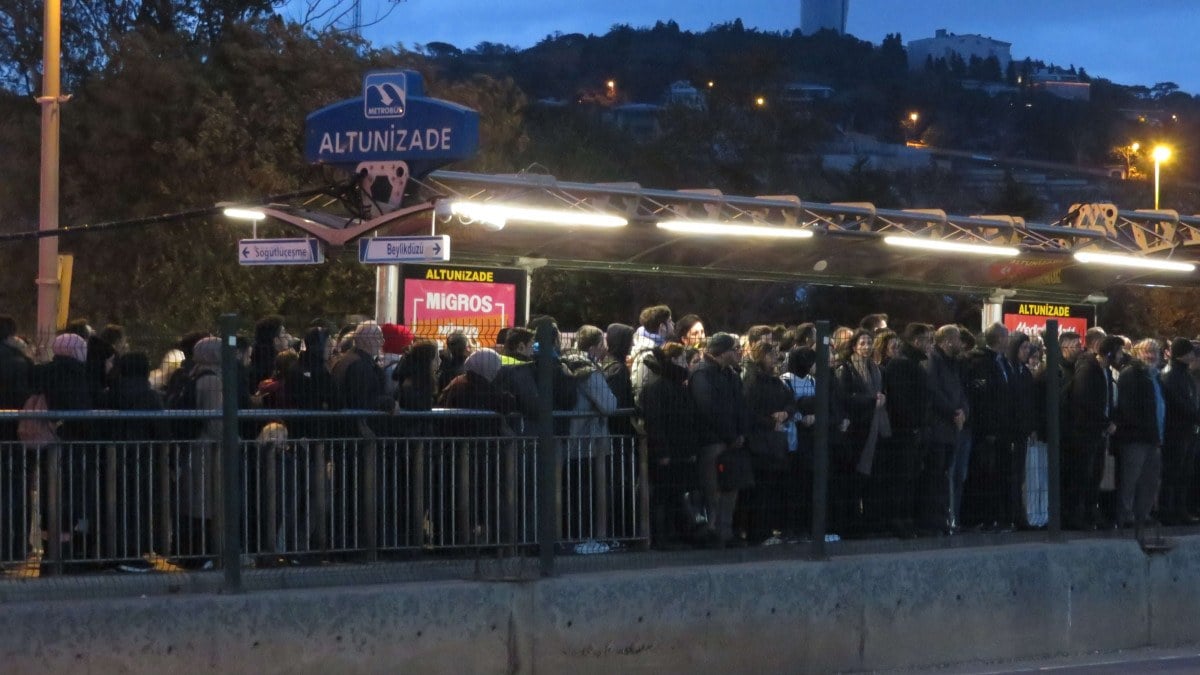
280,252
394,250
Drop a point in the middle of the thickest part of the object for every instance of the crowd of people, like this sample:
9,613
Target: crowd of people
929,429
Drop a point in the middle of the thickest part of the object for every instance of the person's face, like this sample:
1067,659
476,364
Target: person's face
863,346
840,337
732,357
769,360
526,349
437,363
893,349
1024,351
1071,349
695,335
924,343
600,351
1149,357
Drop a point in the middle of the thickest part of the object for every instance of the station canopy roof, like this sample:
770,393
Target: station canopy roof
778,238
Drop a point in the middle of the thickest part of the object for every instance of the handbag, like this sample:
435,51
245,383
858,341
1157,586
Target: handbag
36,432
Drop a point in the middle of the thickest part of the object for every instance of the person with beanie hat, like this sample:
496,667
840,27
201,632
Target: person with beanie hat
475,389
722,461
70,345
615,366
396,338
1179,439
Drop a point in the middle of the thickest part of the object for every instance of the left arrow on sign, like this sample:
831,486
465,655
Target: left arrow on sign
246,253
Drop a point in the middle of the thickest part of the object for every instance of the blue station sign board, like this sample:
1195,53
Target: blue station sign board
392,121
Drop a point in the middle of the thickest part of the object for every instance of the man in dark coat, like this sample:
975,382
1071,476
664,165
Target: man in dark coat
992,486
949,410
358,380
1179,438
909,405
15,371
724,422
619,338
1141,417
1086,437
670,422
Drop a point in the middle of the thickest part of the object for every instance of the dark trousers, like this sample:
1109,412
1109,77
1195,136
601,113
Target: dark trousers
994,484
764,503
1083,469
933,504
1179,464
668,485
798,493
901,469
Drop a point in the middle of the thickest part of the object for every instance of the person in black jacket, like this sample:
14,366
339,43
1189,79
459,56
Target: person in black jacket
1086,437
771,405
909,404
670,417
619,339
358,380
992,491
949,411
1025,418
1141,416
16,370
1179,439
717,390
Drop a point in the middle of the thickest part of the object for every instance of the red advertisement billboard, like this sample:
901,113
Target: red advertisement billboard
1031,317
438,300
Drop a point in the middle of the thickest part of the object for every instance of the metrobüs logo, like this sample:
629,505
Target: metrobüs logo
385,94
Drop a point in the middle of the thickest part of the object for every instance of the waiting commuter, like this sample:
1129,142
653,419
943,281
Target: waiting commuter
475,389
689,331
771,405
948,417
800,381
199,460
885,346
655,327
416,386
992,496
618,338
16,368
670,418
1026,414
1086,439
724,463
862,386
270,338
1179,439
458,348
909,407
1141,417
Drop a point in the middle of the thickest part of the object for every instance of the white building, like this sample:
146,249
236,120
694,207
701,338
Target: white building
944,44
682,93
818,15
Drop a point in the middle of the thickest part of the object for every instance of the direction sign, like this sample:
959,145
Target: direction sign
392,250
280,252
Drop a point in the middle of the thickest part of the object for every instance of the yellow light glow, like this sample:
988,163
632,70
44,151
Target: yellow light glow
760,101
1136,146
951,246
1161,153
611,83
705,227
913,117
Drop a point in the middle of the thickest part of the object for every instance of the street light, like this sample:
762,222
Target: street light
1161,154
913,117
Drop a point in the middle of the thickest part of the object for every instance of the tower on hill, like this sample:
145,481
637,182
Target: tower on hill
818,15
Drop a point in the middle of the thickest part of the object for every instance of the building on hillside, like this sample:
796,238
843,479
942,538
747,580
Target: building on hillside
1060,83
818,15
796,93
945,44
682,93
639,120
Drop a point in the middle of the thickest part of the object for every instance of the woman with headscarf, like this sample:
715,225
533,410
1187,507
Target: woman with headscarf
475,389
771,405
199,463
862,386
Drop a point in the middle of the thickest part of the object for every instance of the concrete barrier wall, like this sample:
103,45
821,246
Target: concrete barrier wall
860,613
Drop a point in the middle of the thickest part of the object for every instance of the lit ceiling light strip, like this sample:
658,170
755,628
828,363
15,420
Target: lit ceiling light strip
734,229
1132,261
951,246
500,214
244,214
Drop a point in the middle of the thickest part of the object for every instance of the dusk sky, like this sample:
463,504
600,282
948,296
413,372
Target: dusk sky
1127,41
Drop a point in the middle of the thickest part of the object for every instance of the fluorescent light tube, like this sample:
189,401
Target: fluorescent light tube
1133,261
734,229
951,246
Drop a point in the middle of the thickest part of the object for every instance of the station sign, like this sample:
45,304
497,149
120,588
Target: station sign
1031,317
392,121
280,252
395,250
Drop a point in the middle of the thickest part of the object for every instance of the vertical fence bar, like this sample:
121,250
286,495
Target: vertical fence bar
110,500
1053,431
820,486
52,518
231,483
549,495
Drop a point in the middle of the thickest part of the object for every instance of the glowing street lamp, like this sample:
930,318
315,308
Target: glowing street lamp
760,101
1161,154
914,117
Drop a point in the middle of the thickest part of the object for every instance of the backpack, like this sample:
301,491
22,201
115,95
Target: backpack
181,395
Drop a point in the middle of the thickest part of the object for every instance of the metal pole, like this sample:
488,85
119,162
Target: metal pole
231,458
1156,164
1053,432
820,486
50,100
387,293
549,494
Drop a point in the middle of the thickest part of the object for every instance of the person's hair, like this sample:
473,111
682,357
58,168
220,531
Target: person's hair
915,331
283,361
777,332
806,334
587,337
946,333
8,327
502,335
79,327
268,328
1147,346
879,346
872,322
1093,337
755,334
654,316
789,339
517,337
848,348
672,349
457,344
112,334
1068,336
759,350
313,356
188,342
993,334
417,362
538,321
684,325
968,338
132,365
1110,346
